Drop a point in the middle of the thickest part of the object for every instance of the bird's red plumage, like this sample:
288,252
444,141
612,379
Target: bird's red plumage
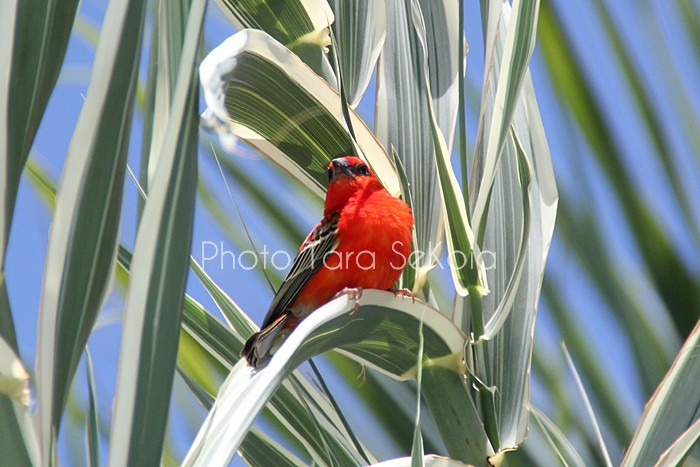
373,236
374,242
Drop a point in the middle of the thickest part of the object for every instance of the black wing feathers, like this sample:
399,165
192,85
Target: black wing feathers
321,241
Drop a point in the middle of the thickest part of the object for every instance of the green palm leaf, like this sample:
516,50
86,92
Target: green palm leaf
158,276
84,233
304,128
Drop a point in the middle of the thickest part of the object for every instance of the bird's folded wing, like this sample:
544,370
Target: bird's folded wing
322,240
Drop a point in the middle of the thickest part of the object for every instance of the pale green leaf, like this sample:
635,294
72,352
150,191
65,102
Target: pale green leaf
148,110
461,430
390,401
251,75
83,237
506,303
382,333
18,441
516,337
294,21
680,448
463,254
507,61
158,276
92,437
417,451
33,41
431,460
515,268
244,328
297,405
359,31
14,379
589,408
556,439
407,86
514,234
257,448
236,319
673,408
301,25
7,325
167,48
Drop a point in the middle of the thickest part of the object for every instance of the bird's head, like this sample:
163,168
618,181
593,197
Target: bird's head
347,176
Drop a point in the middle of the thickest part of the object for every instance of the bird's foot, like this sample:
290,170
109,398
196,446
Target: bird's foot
403,293
354,293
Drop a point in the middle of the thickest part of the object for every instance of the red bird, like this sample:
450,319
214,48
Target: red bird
362,242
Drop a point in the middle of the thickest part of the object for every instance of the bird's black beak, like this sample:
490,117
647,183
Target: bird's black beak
340,167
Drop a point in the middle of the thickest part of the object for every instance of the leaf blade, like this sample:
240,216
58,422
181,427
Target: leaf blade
92,437
32,59
243,395
158,276
252,74
301,25
407,79
359,30
666,415
17,436
86,223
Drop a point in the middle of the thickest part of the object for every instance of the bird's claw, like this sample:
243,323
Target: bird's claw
403,293
354,293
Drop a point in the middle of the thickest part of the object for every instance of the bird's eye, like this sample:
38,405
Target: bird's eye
362,169
330,174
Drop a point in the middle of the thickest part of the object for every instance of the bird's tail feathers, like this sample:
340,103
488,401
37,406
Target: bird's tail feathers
258,348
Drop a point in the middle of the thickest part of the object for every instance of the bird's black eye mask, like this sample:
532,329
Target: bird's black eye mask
361,169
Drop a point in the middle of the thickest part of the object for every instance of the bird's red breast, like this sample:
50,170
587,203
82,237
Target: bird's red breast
374,243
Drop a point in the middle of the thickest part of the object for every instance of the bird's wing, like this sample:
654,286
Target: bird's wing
322,240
